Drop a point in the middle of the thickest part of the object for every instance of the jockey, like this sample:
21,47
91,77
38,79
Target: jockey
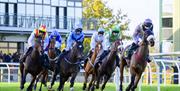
97,37
55,34
137,37
111,36
76,35
41,32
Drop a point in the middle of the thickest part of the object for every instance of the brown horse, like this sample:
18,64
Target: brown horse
32,64
68,66
138,61
52,56
108,65
90,65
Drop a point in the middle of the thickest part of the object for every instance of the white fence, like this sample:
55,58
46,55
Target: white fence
161,61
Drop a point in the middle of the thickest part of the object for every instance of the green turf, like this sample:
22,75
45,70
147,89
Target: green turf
78,87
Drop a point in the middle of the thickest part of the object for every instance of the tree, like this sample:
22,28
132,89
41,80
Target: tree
96,9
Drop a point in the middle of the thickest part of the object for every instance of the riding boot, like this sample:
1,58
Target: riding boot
148,59
88,56
58,52
23,58
117,61
132,48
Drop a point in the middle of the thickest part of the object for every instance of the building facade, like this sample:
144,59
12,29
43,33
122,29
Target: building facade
18,18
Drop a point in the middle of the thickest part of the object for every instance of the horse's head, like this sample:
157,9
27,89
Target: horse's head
77,49
150,37
116,45
98,46
38,44
52,42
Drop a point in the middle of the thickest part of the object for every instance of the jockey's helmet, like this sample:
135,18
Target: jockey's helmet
78,28
115,30
101,31
147,24
41,32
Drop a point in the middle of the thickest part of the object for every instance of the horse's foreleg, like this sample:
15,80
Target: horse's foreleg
31,84
137,78
62,80
131,83
54,77
105,81
85,80
22,75
43,80
122,64
98,80
72,81
35,85
92,83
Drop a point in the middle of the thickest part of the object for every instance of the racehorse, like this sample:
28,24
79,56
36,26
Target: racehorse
108,64
52,56
32,64
68,66
138,60
89,66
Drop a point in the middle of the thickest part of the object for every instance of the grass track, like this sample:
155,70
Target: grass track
78,87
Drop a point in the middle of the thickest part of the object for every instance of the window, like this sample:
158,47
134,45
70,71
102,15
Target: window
70,12
38,1
38,10
4,0
78,4
21,0
63,3
30,1
47,1
54,2
46,11
70,3
61,17
2,8
11,14
167,22
30,10
13,1
78,13
21,9
53,12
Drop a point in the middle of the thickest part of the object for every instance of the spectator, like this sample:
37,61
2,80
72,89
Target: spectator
1,56
6,58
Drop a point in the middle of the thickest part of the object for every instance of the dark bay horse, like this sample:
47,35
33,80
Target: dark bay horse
90,66
138,61
52,56
108,65
32,64
69,66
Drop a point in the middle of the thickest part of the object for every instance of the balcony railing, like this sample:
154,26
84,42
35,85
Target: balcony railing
50,22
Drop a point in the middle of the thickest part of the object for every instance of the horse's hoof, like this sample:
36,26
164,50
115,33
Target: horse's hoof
71,89
21,87
84,88
97,87
49,87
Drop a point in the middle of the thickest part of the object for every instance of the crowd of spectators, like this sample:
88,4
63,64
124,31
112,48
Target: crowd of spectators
4,57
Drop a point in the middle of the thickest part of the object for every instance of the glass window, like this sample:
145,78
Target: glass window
14,1
54,2
53,13
46,11
47,1
4,0
61,17
78,13
21,0
38,10
70,12
30,10
30,1
21,9
2,8
167,22
38,1
78,4
70,3
63,3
